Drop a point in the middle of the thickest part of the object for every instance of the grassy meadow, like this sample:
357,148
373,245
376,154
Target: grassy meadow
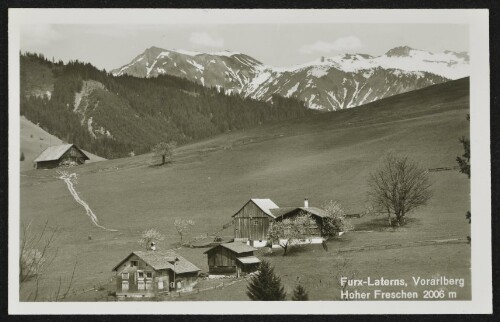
323,157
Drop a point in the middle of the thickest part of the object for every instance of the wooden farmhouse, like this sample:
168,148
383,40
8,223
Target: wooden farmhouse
314,235
150,273
232,258
252,221
60,155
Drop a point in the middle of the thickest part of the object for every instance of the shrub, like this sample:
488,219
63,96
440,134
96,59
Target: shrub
300,294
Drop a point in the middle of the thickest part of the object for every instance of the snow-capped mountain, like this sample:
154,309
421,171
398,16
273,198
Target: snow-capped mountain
330,83
228,70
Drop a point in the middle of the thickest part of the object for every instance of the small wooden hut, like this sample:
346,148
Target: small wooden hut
232,258
60,155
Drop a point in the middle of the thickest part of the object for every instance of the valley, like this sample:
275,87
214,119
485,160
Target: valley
323,157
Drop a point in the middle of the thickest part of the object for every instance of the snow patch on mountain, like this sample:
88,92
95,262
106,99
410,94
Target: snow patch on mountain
318,71
292,90
196,65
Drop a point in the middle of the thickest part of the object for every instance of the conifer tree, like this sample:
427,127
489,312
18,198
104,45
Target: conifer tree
266,285
300,293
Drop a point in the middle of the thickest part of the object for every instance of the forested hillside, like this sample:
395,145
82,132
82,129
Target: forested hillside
114,116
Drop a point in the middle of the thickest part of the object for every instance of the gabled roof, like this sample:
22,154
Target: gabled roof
55,152
280,212
237,247
264,204
163,259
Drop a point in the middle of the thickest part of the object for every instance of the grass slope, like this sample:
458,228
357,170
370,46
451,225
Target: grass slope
34,140
323,157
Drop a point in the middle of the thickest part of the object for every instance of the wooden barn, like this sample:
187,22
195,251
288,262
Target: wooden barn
232,258
60,155
150,273
251,222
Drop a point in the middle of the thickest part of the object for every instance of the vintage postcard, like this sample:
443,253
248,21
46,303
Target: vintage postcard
172,161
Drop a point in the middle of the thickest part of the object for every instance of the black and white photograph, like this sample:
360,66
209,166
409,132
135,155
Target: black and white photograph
209,161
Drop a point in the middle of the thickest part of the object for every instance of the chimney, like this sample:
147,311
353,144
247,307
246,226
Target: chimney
306,203
322,59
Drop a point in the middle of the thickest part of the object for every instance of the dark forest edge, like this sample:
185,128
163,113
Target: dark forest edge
137,113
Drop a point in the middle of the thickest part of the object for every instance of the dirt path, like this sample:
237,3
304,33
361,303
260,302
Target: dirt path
68,178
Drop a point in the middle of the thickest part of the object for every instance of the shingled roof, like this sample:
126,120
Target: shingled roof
55,152
163,259
280,212
264,204
237,247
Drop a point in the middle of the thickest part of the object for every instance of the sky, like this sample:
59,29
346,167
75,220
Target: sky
111,46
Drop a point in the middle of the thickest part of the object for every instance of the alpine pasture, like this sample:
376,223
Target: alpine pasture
323,157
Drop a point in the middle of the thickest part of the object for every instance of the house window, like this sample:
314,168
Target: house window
124,285
125,276
134,263
255,222
149,275
140,274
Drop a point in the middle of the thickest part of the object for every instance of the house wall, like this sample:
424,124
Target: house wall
251,222
184,282
73,155
47,164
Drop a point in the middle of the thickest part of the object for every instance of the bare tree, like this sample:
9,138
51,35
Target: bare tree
164,150
149,236
399,186
288,232
37,251
182,226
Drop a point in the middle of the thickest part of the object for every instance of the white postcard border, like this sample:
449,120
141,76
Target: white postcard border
477,19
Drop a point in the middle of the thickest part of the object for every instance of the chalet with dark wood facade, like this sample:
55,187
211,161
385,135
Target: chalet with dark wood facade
60,155
232,258
151,273
314,234
252,221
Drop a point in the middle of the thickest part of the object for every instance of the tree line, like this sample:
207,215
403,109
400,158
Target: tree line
138,112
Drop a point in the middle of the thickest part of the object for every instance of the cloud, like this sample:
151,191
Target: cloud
345,43
204,39
38,35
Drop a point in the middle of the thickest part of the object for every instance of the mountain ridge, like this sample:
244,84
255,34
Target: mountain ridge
329,84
